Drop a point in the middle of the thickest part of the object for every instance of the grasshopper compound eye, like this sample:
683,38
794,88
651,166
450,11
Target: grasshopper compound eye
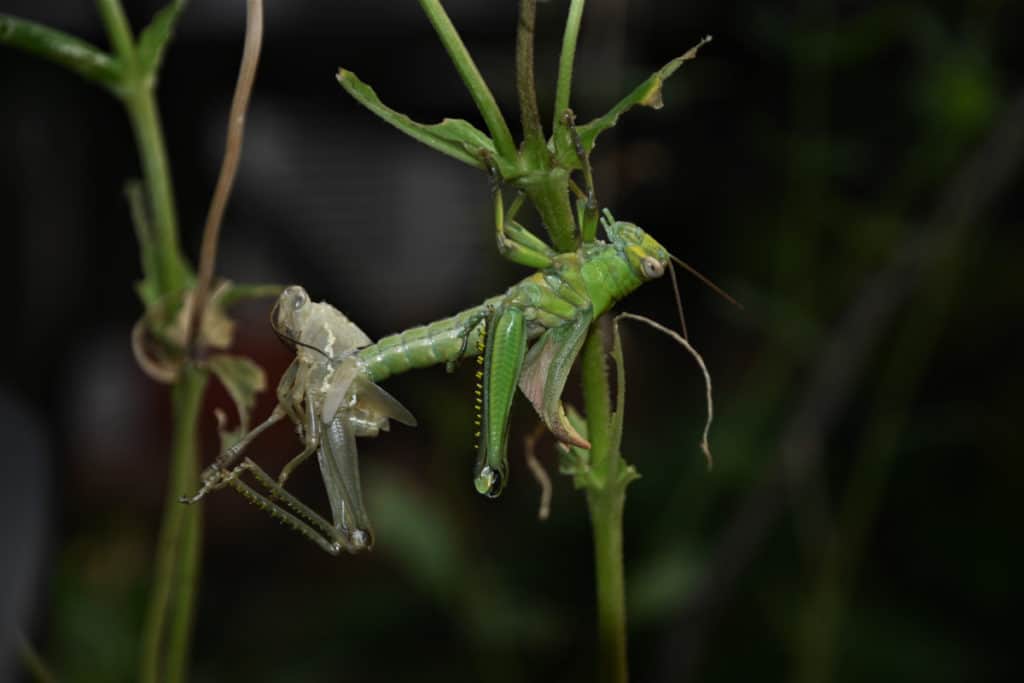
652,268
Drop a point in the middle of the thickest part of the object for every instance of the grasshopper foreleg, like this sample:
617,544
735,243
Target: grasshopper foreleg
311,438
515,242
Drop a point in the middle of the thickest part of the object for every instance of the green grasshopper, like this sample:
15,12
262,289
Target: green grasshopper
331,392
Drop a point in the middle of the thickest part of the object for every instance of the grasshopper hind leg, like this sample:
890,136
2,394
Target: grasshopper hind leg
503,359
339,467
292,512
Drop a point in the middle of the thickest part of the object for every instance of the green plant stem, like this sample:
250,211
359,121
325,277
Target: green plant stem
173,273
606,522
547,185
606,504
478,90
168,625
533,131
131,76
119,32
169,615
549,193
140,102
71,52
597,399
565,62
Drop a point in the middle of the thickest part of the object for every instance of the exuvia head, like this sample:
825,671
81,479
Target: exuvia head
646,257
287,315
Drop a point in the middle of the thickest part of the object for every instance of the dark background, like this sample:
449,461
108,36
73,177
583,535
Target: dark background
849,170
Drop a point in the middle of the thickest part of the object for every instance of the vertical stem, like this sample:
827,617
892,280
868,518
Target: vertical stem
174,274
119,32
179,630
606,504
549,194
168,625
548,191
533,131
136,92
478,90
597,400
169,615
565,61
606,522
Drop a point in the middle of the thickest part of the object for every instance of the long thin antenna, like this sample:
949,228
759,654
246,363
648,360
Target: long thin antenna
285,338
679,301
706,280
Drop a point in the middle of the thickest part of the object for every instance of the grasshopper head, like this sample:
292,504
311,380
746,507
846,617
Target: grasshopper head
287,317
646,257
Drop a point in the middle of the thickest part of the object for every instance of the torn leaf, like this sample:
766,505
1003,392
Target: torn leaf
647,94
457,138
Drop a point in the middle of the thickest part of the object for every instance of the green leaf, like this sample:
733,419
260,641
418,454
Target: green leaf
457,138
647,94
73,53
154,38
243,379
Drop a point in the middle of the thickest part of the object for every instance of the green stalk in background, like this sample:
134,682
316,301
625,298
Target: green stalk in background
139,64
130,74
169,617
165,634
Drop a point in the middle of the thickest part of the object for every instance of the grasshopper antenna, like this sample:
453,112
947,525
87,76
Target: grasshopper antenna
706,280
291,340
679,301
